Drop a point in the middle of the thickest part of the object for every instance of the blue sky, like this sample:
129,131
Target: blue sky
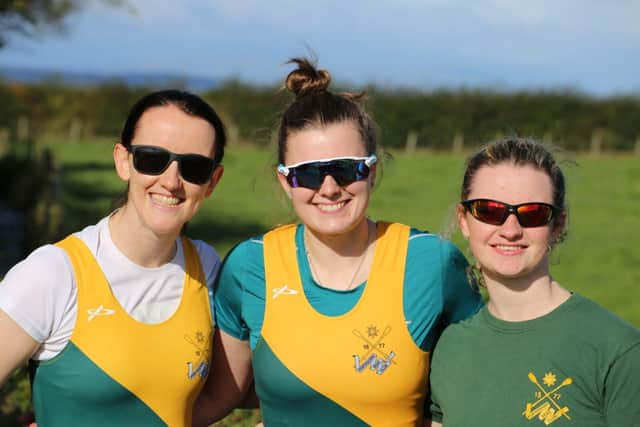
587,45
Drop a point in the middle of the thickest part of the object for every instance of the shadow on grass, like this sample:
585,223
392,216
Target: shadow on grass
85,203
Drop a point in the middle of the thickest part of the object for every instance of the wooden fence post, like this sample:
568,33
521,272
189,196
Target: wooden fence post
22,129
458,143
412,142
75,130
596,142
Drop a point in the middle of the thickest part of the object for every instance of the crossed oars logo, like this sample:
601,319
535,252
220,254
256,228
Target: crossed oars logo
547,395
201,345
374,345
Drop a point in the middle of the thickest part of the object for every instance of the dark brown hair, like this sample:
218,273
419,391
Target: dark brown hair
316,106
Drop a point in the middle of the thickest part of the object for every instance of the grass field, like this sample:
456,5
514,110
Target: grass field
600,259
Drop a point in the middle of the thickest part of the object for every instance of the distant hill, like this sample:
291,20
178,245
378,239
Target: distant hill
75,78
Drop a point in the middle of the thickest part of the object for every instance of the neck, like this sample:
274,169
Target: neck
520,300
341,262
138,244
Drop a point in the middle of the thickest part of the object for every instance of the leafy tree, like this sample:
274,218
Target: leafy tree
30,17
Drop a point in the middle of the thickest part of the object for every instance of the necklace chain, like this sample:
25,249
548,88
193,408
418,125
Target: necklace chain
355,273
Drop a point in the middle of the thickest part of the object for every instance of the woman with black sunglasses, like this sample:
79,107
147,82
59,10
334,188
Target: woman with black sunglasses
536,354
337,314
117,318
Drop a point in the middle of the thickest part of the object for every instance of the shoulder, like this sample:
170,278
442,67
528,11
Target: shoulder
244,261
249,250
49,258
459,338
423,242
602,324
208,255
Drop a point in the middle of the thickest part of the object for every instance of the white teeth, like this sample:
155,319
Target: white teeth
508,247
165,200
331,208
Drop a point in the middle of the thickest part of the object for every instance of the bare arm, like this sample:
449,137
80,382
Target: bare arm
17,346
229,379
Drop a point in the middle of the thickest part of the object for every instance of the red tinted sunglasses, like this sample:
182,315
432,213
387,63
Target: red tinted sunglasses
530,214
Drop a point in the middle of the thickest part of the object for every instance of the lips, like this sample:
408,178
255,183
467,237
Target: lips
509,249
333,207
165,200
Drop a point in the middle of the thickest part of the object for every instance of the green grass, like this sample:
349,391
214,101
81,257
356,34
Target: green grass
599,259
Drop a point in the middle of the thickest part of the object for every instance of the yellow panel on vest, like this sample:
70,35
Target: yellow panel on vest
365,360
163,364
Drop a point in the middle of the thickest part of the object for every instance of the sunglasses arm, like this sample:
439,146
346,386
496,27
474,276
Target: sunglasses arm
283,169
371,160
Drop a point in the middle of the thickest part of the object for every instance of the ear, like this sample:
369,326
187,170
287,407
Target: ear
461,213
284,183
121,161
559,225
372,175
216,176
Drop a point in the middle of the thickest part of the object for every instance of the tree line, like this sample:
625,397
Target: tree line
439,120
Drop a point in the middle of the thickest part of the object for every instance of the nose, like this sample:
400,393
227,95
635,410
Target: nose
170,178
329,188
511,229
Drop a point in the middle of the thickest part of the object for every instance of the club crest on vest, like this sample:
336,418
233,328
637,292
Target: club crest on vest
375,356
200,342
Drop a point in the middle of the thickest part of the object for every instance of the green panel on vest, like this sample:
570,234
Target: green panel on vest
72,390
285,400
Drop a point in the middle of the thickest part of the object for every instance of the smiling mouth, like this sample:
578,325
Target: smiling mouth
509,248
165,200
332,207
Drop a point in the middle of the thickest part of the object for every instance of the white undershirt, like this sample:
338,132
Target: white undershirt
40,295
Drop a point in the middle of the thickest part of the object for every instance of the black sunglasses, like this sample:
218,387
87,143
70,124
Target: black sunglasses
153,160
530,214
344,170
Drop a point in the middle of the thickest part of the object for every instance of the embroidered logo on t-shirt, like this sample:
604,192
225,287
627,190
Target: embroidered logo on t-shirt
375,357
547,406
99,311
200,342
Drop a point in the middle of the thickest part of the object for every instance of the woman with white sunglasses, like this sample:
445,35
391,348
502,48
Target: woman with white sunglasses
536,354
337,314
117,317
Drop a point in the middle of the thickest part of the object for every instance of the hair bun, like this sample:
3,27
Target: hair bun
306,79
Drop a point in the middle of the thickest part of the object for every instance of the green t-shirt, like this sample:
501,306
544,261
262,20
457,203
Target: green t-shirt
576,366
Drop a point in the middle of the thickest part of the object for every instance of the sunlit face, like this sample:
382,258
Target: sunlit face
509,251
162,204
331,209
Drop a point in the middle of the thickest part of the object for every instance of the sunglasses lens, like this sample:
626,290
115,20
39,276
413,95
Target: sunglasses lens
347,171
534,214
195,168
308,176
489,211
150,160
344,171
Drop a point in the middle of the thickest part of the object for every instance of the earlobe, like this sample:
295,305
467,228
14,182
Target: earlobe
121,161
216,176
462,221
284,184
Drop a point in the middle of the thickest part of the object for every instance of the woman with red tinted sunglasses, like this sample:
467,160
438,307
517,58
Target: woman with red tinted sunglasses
536,354
117,318
337,314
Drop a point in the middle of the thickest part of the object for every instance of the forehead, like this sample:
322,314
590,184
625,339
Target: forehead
327,141
512,184
172,128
